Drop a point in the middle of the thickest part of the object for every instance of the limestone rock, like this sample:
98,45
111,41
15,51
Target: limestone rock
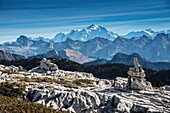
100,100
101,96
50,69
11,68
136,80
45,66
121,83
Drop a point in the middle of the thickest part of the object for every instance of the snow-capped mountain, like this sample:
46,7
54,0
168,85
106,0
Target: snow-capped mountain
165,31
85,34
101,48
96,42
147,32
40,38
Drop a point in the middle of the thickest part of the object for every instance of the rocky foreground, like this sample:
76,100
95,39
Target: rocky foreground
81,92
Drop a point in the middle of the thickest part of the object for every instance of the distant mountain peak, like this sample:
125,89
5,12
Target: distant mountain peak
93,27
121,56
86,34
40,39
149,30
22,37
135,55
68,40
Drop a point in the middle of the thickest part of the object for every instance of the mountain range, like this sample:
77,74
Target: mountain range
94,31
121,58
68,54
9,57
95,42
76,56
147,32
86,34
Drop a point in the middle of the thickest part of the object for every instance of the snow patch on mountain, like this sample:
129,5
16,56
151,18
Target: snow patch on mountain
147,32
40,38
85,34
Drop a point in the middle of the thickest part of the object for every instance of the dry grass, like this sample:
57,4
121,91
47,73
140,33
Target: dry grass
40,87
67,82
12,89
13,105
68,78
39,79
49,87
8,72
10,92
76,83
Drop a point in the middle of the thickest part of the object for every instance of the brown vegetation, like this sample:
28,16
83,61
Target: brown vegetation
67,82
13,105
8,72
12,89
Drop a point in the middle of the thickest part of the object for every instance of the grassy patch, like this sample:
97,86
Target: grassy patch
49,87
8,72
38,79
67,82
12,89
83,82
13,105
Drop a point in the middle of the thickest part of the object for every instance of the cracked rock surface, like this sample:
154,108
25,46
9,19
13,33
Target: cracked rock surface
78,92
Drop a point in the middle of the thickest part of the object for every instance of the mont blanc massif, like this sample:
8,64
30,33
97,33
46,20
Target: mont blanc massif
90,70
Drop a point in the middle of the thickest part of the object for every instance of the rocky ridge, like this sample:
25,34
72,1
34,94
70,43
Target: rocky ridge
82,93
8,56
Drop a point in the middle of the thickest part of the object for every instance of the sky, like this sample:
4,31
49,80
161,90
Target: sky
46,18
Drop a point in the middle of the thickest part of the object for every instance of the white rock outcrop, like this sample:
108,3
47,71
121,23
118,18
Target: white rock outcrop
47,68
102,100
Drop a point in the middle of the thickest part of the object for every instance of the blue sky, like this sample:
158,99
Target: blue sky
48,17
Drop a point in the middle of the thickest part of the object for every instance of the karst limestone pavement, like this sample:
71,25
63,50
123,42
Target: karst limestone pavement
79,92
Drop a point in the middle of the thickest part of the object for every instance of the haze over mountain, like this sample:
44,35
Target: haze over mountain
85,56
69,54
147,32
9,57
96,42
121,58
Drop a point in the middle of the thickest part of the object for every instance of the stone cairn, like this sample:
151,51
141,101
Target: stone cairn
45,66
136,80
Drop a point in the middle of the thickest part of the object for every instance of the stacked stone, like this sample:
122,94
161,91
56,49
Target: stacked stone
136,80
47,65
